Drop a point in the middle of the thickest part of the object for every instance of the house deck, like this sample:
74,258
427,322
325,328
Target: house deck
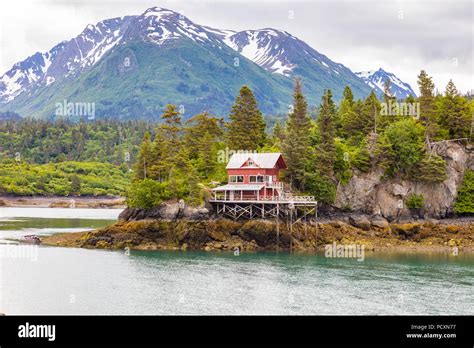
290,210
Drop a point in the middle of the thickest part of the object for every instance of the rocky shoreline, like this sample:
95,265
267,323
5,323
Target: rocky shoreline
177,227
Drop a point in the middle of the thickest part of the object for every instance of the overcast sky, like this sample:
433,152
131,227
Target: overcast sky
402,37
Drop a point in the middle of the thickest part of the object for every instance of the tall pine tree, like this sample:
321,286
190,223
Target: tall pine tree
326,151
246,129
347,114
454,113
427,105
296,144
143,163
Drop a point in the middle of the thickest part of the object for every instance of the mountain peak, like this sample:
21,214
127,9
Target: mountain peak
376,80
156,10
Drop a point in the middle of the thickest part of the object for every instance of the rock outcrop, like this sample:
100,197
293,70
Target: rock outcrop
254,235
166,211
372,194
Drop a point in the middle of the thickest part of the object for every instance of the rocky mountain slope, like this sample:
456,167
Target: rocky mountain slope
376,80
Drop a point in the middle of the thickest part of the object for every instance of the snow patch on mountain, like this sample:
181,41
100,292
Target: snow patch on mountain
376,80
274,50
263,48
63,59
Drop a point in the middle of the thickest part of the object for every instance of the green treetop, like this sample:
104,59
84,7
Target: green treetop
454,113
246,129
296,144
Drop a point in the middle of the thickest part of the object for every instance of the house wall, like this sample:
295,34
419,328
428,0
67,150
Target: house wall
253,171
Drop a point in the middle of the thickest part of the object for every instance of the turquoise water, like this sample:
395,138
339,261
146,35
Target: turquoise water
53,280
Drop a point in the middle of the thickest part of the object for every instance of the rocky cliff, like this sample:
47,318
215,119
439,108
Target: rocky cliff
373,194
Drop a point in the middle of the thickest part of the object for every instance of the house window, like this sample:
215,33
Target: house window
256,178
250,163
268,178
236,178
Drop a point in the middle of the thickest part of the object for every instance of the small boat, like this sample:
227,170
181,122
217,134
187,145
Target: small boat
31,238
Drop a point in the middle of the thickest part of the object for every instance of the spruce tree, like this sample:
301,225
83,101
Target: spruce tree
202,134
326,150
427,105
347,114
465,199
370,114
348,96
454,113
431,169
296,145
246,129
144,158
159,168
171,127
277,135
321,177
167,145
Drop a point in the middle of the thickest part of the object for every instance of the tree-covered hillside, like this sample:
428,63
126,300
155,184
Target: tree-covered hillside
321,152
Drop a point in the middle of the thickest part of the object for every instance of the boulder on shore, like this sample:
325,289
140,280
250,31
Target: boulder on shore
165,211
360,221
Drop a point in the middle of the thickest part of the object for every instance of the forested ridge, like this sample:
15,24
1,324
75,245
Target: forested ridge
322,152
182,159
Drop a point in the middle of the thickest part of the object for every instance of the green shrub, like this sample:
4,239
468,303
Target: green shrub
401,146
432,169
146,194
465,200
414,201
322,188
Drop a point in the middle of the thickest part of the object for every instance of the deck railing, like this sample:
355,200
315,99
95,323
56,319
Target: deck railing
283,198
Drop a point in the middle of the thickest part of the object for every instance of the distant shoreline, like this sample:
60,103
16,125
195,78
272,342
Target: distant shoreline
62,202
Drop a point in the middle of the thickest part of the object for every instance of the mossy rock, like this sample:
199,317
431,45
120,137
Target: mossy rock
262,231
452,229
406,231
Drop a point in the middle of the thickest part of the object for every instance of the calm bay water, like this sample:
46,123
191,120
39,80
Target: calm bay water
53,280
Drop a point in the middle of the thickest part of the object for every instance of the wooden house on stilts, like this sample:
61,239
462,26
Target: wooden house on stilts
254,190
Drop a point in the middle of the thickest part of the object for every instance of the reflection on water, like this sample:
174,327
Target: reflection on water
79,281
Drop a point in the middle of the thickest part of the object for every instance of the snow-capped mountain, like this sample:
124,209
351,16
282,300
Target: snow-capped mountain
264,47
376,80
63,59
160,25
131,65
278,51
156,25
